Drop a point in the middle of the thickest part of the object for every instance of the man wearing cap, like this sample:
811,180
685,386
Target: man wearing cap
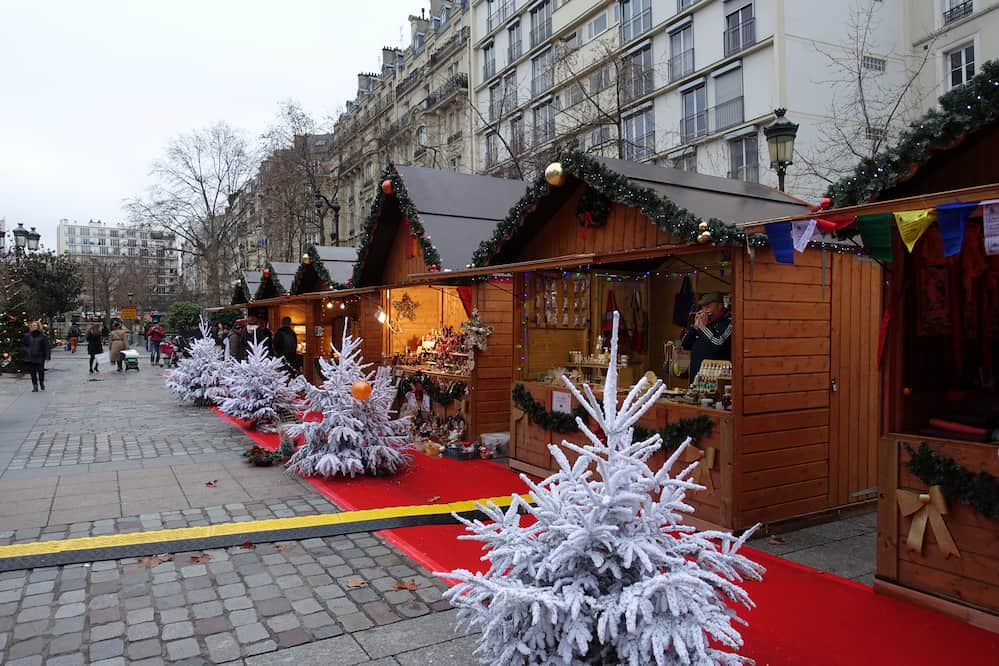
711,335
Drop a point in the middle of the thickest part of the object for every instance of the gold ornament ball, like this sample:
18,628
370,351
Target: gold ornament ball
704,237
306,259
703,226
361,390
555,175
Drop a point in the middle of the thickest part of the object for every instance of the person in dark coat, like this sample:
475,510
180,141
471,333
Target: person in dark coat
74,336
285,344
36,352
237,342
256,330
711,335
94,346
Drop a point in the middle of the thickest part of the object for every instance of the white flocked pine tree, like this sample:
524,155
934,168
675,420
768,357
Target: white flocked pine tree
355,437
603,570
198,379
259,389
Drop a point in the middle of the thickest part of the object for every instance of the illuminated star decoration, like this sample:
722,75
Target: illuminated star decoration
405,307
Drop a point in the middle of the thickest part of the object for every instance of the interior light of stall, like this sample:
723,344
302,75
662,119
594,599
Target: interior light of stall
343,306
329,305
381,316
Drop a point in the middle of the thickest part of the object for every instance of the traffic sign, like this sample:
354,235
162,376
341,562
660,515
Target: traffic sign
128,313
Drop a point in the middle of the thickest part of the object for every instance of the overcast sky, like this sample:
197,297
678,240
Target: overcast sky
91,91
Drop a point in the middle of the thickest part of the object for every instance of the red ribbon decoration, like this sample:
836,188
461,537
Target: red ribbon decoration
831,224
587,220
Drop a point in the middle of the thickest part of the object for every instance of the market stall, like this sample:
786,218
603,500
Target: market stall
938,520
658,245
449,341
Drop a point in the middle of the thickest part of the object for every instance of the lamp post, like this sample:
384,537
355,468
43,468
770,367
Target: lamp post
780,141
334,205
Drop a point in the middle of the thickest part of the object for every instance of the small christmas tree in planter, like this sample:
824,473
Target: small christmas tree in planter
259,389
198,380
607,573
358,434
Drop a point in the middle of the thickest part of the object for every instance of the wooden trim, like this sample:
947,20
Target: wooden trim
973,616
528,468
887,546
977,193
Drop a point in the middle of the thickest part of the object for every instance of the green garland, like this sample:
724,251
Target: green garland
539,416
979,491
431,257
673,435
316,264
594,203
431,387
240,292
962,111
271,282
667,215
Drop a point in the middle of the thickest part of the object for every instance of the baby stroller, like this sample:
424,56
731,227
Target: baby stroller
131,359
168,352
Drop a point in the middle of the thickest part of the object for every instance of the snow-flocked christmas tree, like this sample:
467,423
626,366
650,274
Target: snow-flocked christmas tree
258,389
358,434
198,379
606,572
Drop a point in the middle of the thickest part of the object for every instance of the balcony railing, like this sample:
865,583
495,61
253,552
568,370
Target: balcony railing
958,12
453,84
636,25
514,51
640,147
717,118
502,13
454,137
683,4
681,65
540,33
542,82
740,36
636,84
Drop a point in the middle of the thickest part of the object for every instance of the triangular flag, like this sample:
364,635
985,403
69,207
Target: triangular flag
912,224
779,235
801,233
951,218
990,224
875,231
828,225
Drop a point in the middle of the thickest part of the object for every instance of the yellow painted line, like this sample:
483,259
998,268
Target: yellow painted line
248,527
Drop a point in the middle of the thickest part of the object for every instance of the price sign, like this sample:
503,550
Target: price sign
129,313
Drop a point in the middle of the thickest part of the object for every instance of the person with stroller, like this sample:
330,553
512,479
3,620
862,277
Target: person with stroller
94,346
36,352
119,343
155,336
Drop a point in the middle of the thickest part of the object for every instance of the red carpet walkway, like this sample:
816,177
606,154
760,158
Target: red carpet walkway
803,616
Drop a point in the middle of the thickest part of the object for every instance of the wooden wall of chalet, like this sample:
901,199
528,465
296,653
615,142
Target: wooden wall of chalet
399,264
800,446
490,398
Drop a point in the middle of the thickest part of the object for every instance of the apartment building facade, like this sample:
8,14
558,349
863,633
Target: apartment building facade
146,257
413,111
683,83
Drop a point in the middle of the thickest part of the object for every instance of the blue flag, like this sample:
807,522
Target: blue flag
951,218
779,235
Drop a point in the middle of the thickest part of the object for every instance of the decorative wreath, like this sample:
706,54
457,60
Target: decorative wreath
593,208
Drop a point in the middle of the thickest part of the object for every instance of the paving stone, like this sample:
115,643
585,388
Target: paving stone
35,613
380,612
33,660
201,596
241,617
270,607
284,622
412,609
108,587
330,592
39,587
207,609
114,647
182,649
138,632
103,615
38,600
139,616
70,610
257,580
316,620
74,596
144,649
26,648
166,589
193,570
355,622
342,606
327,631
102,632
222,647
176,630
260,648
65,660
293,637
29,629
103,601
173,615
306,606
265,592
234,590
173,601
363,595
252,633
238,603
212,625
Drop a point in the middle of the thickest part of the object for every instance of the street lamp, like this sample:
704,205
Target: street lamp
780,140
335,234
33,238
20,236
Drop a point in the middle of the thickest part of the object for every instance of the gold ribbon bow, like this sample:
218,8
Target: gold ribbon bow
518,413
702,473
926,507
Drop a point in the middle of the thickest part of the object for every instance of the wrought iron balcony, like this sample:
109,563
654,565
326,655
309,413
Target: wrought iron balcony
453,85
681,65
740,36
958,12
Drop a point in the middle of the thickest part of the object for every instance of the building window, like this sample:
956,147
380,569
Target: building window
876,133
874,64
637,77
695,116
541,73
517,138
600,136
960,65
636,19
574,94
544,123
510,91
681,52
957,10
639,135
421,137
495,101
740,29
541,23
686,162
488,61
515,48
683,4
600,80
596,26
744,159
728,110
568,44
492,149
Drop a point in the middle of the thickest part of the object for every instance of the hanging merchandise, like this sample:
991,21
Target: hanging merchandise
990,219
683,303
405,308
476,332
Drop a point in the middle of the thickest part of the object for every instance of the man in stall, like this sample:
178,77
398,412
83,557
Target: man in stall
711,335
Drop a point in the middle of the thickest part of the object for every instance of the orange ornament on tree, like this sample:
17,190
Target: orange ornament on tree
361,390
387,186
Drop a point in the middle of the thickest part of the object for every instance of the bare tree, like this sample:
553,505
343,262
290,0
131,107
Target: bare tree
194,180
868,105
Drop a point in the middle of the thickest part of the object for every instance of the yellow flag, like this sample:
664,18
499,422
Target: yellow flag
912,224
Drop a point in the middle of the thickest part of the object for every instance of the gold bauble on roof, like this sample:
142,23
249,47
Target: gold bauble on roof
555,175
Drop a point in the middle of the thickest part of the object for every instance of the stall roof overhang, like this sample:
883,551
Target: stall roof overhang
298,298
284,273
252,279
338,261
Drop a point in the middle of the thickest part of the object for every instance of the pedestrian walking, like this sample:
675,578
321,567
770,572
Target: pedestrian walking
36,352
257,331
237,342
119,343
74,337
94,346
285,345
155,336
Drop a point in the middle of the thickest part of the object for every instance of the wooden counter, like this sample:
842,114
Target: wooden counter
529,447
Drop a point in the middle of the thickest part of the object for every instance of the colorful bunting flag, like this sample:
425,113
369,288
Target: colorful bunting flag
828,225
951,218
801,233
875,230
990,218
912,224
779,235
